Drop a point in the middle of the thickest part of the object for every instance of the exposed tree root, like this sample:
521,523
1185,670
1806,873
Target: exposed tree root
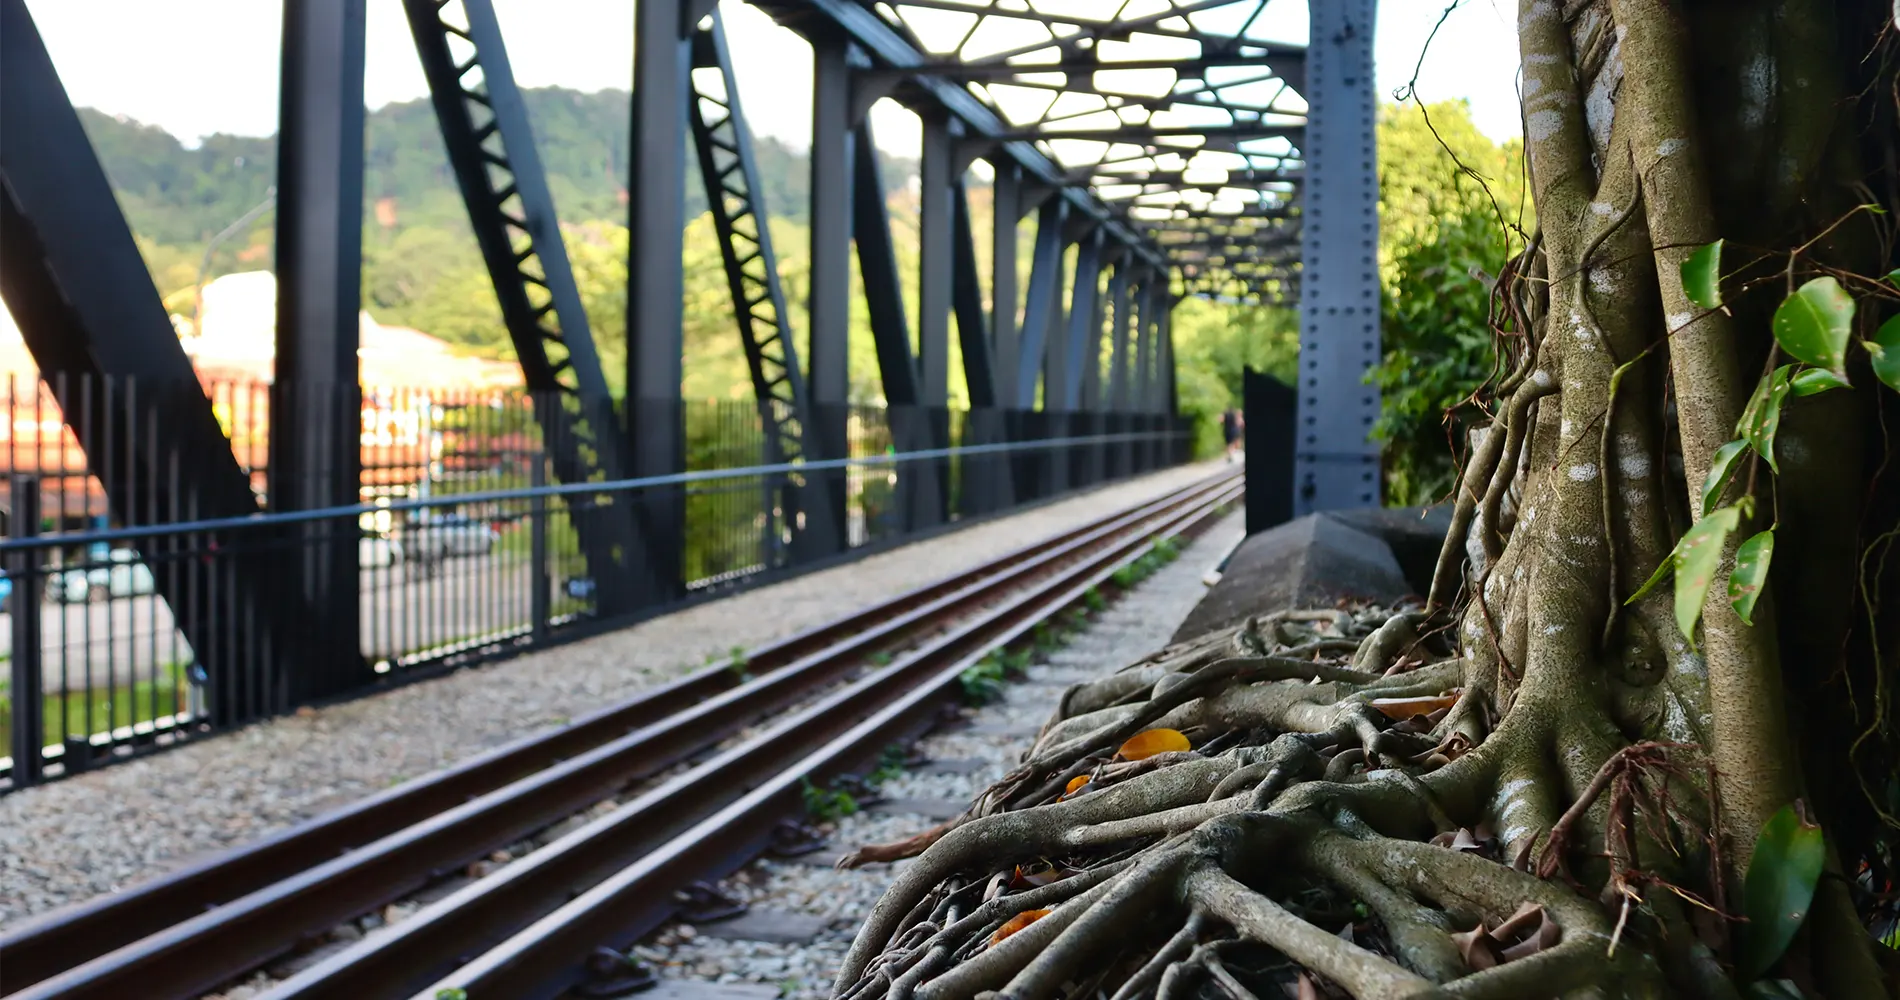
1325,799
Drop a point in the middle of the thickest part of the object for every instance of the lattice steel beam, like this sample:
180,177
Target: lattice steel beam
735,197
491,149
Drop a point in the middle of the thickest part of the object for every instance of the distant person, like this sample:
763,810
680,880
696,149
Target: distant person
1232,425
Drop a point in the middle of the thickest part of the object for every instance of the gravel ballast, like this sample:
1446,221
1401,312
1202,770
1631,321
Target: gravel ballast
993,740
100,832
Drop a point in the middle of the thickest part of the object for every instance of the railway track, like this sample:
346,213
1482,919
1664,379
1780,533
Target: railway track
717,757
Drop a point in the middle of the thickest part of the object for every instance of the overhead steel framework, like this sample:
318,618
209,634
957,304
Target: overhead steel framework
1163,148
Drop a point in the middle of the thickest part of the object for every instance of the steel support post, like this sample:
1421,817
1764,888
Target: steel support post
656,283
936,282
76,284
1007,211
1337,462
986,481
828,362
1142,403
1087,420
1091,359
1115,394
1041,301
1167,401
315,454
491,148
973,337
1120,300
890,328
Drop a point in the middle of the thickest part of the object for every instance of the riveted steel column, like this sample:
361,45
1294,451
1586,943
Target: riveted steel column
1119,302
828,358
936,277
315,458
936,270
656,283
1006,200
1337,462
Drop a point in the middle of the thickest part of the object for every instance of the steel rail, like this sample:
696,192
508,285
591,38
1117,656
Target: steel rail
495,910
548,957
401,838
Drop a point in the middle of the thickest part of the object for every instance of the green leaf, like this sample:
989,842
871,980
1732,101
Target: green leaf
1893,277
1720,470
1885,351
1764,420
1750,573
1701,274
1779,887
1812,324
1813,380
1697,557
1666,567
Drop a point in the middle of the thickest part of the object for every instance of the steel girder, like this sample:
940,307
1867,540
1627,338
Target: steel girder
491,149
1074,101
74,280
912,429
315,452
735,198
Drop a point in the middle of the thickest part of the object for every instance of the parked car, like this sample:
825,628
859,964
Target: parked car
122,575
448,535
378,551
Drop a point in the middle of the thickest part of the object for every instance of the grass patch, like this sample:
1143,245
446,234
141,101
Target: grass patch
102,709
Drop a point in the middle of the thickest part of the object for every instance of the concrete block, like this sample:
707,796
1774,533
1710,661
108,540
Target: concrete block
1313,561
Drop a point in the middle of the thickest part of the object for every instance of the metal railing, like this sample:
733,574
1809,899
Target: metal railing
124,638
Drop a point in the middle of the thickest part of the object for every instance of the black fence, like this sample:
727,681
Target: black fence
129,631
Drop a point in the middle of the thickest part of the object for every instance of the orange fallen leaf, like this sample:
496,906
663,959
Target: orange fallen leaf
1039,876
1404,708
1016,923
1074,783
1141,746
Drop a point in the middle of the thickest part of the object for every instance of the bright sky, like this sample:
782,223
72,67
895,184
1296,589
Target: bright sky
201,66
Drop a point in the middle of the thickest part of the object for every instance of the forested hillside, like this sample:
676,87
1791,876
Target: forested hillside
176,195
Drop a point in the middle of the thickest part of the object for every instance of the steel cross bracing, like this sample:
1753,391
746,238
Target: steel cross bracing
734,196
491,148
1164,116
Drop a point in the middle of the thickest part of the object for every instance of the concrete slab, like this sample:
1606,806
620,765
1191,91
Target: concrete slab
693,989
1314,561
938,809
953,765
1012,730
771,926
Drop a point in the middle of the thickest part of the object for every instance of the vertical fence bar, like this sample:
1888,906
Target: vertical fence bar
28,702
539,596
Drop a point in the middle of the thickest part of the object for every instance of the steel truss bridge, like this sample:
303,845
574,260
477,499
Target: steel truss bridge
1165,142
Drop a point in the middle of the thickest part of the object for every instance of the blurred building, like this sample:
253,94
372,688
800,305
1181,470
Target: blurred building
417,391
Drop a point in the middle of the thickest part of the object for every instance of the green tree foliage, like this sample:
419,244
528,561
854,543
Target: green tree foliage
1444,236
1214,343
421,267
